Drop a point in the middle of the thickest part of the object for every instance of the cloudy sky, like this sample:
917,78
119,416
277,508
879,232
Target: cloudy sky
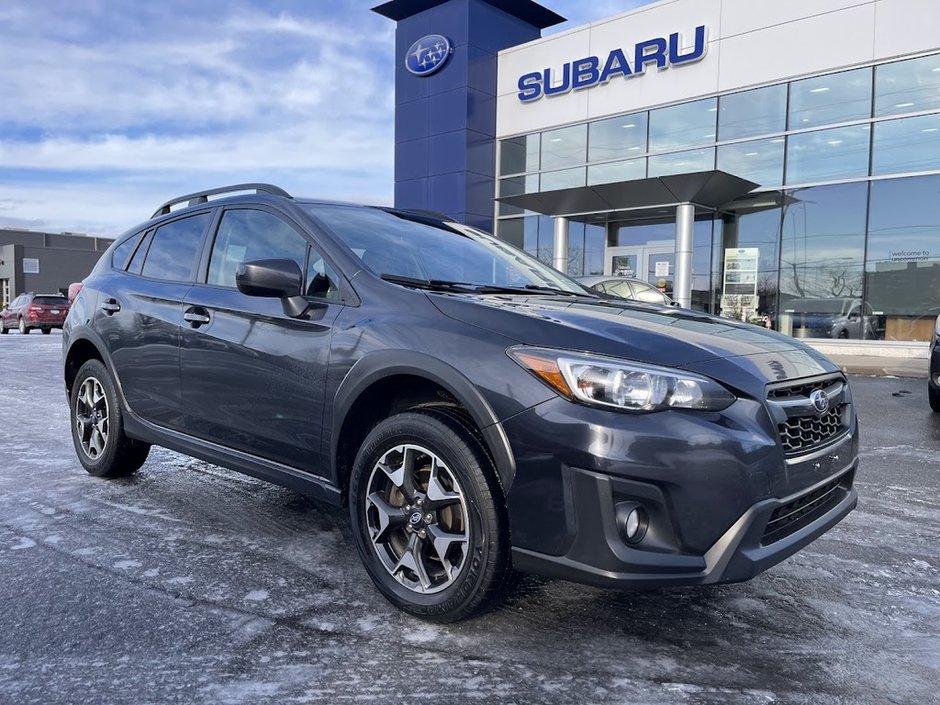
109,107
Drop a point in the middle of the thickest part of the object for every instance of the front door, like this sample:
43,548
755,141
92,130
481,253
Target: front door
655,264
274,408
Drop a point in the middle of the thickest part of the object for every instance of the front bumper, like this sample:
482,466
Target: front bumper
723,501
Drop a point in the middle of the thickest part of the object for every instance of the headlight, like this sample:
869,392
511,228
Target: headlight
616,384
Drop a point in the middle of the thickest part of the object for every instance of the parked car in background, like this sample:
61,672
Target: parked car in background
477,410
842,317
627,288
74,288
933,378
29,311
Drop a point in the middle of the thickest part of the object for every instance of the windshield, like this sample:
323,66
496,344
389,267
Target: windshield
393,244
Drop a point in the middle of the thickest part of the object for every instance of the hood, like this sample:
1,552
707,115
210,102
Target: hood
659,335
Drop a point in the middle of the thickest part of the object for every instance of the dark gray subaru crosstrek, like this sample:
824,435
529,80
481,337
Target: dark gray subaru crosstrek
477,410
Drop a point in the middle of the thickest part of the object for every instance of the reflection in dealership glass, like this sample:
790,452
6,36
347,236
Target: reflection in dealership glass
844,318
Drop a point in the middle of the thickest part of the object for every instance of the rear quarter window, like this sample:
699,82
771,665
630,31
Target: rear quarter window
121,254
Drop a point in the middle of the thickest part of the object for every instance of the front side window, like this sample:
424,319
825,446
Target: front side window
246,235
174,250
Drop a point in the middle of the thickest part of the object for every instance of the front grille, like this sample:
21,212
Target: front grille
802,429
797,513
807,432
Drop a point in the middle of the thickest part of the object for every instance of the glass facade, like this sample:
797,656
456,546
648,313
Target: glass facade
841,238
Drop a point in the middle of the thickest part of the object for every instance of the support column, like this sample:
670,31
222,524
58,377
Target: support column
685,237
560,257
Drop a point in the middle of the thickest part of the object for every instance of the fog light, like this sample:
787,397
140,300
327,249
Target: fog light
632,521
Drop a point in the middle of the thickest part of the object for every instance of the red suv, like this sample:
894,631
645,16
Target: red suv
28,311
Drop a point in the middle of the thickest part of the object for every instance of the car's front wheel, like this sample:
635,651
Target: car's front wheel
933,394
103,448
428,516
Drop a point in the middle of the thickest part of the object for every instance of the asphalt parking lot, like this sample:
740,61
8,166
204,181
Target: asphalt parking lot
191,584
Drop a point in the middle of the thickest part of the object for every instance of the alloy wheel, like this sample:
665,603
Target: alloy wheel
91,418
416,515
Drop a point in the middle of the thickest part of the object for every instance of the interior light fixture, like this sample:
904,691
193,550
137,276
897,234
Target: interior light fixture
821,89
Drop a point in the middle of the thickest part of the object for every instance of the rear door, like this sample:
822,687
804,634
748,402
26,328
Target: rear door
140,310
252,377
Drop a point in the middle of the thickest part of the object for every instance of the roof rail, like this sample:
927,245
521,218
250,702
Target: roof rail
194,199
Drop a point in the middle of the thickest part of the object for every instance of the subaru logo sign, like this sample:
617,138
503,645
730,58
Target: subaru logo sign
428,54
621,63
820,401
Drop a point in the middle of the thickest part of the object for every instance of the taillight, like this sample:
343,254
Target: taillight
35,309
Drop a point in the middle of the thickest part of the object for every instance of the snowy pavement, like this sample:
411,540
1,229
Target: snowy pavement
191,584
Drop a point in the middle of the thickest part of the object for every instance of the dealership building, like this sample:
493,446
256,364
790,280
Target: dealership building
45,263
762,160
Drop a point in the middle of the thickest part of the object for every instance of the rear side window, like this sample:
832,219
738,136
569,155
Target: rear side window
174,251
246,234
122,253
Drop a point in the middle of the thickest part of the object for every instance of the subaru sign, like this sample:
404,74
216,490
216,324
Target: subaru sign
591,71
428,54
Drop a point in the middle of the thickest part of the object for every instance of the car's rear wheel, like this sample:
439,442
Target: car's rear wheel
103,449
428,516
23,329
46,331
3,329
933,394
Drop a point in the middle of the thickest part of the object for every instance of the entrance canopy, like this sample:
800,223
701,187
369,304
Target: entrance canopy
710,189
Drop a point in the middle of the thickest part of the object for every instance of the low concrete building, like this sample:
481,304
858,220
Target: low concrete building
45,262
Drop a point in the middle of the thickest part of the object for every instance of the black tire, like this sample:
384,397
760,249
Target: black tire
471,576
933,394
3,329
103,449
843,334
23,329
46,331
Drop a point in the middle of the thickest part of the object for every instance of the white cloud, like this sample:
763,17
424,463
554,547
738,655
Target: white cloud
113,107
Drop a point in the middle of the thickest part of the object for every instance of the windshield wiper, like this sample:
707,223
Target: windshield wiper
470,288
430,284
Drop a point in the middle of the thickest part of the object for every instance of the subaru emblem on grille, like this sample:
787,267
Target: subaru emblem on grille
820,401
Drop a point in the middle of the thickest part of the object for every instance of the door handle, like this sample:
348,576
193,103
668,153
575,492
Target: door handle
196,316
110,306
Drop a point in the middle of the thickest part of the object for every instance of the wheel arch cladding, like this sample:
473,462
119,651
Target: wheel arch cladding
385,383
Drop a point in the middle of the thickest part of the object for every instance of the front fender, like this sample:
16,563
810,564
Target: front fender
379,365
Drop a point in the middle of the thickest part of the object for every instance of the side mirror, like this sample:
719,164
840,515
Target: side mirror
276,279
272,278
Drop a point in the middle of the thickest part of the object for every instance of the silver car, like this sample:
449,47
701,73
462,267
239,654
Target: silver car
627,288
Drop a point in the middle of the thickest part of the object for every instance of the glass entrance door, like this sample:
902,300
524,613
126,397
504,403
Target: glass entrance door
654,264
